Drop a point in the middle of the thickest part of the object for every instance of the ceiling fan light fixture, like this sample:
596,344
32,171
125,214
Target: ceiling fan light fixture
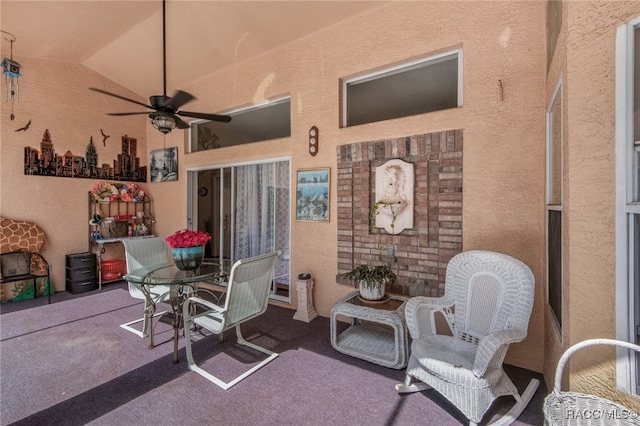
163,123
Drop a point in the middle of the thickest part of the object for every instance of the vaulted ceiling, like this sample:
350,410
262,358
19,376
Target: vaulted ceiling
122,39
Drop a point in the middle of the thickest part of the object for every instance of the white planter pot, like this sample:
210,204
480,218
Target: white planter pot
372,292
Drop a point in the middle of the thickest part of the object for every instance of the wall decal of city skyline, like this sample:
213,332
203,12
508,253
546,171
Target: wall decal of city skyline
46,162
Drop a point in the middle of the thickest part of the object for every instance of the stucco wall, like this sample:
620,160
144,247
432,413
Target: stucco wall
502,118
590,180
504,135
55,96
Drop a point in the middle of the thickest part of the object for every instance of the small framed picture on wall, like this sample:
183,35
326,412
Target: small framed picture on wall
312,194
163,165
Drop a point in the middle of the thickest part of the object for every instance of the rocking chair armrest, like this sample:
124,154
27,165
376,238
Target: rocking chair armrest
420,314
495,344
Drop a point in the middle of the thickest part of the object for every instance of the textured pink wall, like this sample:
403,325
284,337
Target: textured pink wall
504,132
55,96
504,136
585,58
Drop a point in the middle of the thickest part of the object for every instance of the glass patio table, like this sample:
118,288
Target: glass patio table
168,274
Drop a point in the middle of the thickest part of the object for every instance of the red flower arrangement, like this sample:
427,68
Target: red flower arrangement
187,238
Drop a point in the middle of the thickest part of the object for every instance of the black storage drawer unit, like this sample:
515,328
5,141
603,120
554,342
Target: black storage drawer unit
81,272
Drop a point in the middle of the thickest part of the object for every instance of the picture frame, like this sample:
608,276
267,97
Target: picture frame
163,165
312,194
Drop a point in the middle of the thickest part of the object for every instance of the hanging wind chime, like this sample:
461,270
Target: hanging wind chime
11,71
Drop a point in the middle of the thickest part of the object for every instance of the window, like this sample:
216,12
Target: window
246,208
554,205
259,123
628,201
423,86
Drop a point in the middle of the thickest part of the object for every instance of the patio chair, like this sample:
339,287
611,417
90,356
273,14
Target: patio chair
247,297
567,408
487,303
141,253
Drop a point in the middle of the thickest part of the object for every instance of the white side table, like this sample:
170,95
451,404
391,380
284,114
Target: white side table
378,331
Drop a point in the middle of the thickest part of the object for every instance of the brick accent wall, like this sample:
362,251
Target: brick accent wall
420,255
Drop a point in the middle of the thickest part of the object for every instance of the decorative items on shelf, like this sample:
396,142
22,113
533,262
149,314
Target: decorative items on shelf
187,248
118,210
95,222
104,192
140,230
131,192
107,192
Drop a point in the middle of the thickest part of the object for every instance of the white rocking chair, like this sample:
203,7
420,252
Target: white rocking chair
487,303
247,297
140,253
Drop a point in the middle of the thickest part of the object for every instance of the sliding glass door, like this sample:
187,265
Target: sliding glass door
246,208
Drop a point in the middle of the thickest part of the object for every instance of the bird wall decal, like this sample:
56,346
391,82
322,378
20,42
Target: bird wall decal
25,127
104,138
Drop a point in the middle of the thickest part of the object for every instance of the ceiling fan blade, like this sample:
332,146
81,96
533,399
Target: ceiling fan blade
127,113
178,99
104,92
180,123
204,116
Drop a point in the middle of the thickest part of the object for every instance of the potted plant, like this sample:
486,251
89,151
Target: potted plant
187,248
371,280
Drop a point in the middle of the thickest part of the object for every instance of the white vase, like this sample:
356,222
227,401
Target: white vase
374,291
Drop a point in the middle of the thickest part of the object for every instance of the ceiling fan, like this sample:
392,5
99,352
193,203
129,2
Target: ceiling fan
166,109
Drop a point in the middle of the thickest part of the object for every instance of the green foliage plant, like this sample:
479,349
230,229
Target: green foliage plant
371,276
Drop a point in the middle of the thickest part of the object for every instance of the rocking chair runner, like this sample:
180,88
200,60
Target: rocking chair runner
487,303
247,297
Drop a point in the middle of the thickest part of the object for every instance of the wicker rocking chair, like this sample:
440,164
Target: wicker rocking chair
487,303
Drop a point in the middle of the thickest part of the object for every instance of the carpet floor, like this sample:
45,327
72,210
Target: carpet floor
69,363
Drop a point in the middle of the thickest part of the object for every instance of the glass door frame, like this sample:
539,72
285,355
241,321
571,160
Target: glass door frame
192,207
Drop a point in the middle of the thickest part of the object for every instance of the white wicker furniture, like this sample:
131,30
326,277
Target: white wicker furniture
487,303
377,334
247,297
567,408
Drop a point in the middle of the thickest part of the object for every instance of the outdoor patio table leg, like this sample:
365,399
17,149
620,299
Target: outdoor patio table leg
177,318
178,297
149,310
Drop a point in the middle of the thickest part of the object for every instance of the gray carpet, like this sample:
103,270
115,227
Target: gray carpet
69,363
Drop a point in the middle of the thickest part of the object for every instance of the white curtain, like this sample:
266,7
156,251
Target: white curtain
254,213
262,212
